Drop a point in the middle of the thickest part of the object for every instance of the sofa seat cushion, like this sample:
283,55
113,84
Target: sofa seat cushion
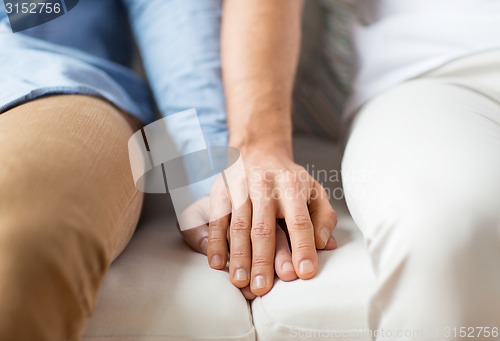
159,290
331,306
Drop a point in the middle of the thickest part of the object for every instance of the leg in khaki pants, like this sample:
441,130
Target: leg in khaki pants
68,206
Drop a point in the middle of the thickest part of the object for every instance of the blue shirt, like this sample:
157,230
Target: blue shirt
89,50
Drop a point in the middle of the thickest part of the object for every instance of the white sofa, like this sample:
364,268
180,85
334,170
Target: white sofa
159,289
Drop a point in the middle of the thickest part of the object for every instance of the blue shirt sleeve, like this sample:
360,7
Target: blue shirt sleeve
179,42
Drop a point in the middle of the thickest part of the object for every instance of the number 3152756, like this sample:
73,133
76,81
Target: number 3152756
33,8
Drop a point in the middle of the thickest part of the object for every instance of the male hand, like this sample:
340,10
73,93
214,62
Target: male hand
258,247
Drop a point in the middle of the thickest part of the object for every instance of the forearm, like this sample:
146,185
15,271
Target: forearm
260,48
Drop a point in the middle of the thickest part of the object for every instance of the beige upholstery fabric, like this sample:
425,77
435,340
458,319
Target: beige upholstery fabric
332,306
161,290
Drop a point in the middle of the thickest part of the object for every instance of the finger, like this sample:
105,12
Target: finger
240,246
247,293
194,228
262,235
197,238
217,243
220,207
323,216
196,215
332,244
293,205
283,259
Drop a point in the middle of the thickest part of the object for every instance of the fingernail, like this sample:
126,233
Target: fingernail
333,240
204,245
324,234
259,282
216,261
287,267
240,275
306,266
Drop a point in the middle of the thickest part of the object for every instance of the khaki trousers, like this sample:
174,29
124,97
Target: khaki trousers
68,206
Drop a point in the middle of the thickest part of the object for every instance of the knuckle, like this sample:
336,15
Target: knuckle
262,262
240,253
292,179
213,239
260,189
240,224
213,224
267,176
261,230
263,178
261,183
303,247
301,222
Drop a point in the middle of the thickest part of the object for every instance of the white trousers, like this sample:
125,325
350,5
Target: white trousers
422,181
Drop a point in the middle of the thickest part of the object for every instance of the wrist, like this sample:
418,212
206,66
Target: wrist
264,130
277,146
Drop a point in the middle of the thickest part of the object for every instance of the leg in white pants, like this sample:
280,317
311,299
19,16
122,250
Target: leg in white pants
422,181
